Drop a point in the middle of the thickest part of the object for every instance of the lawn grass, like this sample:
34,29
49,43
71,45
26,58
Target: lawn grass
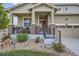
25,53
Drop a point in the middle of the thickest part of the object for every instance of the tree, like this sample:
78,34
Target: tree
4,21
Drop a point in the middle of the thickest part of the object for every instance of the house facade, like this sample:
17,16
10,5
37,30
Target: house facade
40,17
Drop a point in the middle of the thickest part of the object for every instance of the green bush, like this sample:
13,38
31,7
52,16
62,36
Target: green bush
22,37
58,47
37,40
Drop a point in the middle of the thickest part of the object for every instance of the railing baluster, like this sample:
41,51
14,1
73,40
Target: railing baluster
59,36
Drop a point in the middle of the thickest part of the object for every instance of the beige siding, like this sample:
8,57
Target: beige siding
10,18
71,19
69,32
42,8
70,10
20,21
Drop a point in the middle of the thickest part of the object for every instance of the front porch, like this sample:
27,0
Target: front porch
38,23
39,19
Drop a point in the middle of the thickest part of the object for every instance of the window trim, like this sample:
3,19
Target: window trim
24,20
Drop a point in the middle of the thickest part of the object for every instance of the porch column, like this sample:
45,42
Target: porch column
12,23
11,27
52,25
38,20
33,23
52,17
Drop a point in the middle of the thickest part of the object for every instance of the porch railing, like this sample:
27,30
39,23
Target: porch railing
13,30
56,34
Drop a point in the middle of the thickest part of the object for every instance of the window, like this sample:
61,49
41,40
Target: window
62,26
76,26
56,26
66,19
59,8
66,8
26,22
68,26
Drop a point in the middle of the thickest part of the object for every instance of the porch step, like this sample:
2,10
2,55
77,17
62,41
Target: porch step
40,32
49,36
48,41
35,36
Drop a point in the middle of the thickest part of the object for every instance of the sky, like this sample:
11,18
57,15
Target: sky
7,5
39,1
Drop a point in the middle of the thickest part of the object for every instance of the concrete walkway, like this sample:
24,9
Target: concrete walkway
72,44
48,40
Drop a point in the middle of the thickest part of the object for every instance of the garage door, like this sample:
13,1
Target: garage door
69,31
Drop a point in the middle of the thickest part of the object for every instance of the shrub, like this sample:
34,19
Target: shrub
37,40
22,37
58,47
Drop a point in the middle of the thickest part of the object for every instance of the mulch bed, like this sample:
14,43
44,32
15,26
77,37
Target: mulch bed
31,45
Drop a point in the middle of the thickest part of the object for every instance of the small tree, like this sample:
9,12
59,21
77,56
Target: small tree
4,21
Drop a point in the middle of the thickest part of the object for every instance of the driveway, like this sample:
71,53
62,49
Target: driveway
72,44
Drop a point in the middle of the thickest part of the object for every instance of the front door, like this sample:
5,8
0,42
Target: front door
44,25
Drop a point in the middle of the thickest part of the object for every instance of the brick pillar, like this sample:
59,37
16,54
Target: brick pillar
10,29
52,29
37,29
32,29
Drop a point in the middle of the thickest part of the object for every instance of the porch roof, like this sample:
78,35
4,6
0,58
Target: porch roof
45,4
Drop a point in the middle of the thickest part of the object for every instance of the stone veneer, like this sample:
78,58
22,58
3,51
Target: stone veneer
36,29
10,29
32,29
52,29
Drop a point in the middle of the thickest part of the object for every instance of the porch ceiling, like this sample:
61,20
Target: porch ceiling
22,14
29,14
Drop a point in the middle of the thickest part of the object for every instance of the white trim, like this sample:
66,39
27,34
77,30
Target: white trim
43,5
60,24
38,20
23,21
73,24
68,24
57,4
15,20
